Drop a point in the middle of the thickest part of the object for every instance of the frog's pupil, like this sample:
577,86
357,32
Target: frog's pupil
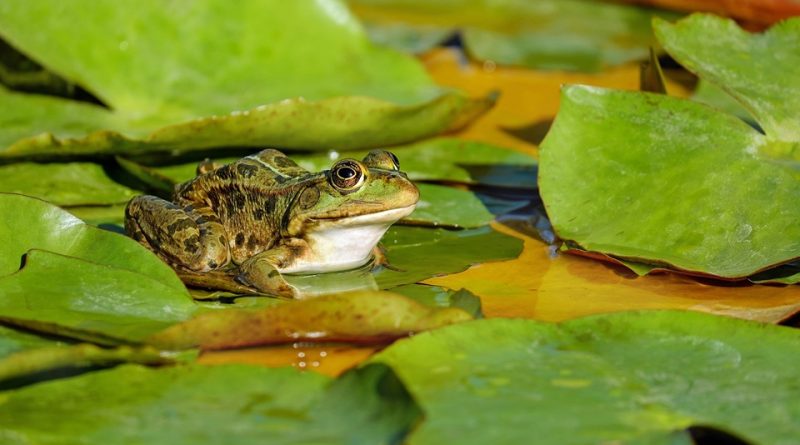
346,173
396,161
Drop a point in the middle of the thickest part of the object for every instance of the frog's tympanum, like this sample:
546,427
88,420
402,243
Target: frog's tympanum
264,216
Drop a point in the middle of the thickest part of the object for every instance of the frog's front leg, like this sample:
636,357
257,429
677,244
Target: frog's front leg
380,260
261,270
186,237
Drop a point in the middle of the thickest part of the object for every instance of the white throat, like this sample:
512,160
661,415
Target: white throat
346,243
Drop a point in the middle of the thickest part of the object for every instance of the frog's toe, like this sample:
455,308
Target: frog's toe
263,277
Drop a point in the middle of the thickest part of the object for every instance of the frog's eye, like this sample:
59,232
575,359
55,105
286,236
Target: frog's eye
382,159
347,175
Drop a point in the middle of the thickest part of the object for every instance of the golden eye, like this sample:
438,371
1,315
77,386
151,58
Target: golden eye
347,175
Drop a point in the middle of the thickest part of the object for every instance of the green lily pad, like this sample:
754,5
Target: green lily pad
758,70
442,206
709,94
70,296
360,317
676,184
28,223
245,69
70,184
667,182
81,281
417,253
580,35
229,404
627,377
110,217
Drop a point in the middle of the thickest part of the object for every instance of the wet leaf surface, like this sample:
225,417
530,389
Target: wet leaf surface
565,34
210,404
359,317
340,101
636,377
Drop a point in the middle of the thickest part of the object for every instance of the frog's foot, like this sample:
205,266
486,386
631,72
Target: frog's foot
215,280
258,272
379,259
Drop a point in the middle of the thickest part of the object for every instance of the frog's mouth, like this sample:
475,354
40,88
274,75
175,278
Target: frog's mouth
383,217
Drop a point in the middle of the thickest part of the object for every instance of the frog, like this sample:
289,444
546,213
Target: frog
263,217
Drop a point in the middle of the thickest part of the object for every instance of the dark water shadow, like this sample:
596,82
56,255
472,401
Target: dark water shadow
709,435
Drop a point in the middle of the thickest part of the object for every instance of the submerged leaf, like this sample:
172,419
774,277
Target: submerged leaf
361,317
629,377
354,94
416,254
209,405
436,296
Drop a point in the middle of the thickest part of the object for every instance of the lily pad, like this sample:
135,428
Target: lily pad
580,35
417,253
360,317
730,186
70,296
667,181
629,377
210,404
354,94
69,184
28,223
758,70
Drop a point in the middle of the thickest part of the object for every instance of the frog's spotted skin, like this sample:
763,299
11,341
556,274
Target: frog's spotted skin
264,215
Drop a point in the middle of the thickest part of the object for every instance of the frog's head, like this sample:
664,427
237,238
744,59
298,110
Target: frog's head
370,192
